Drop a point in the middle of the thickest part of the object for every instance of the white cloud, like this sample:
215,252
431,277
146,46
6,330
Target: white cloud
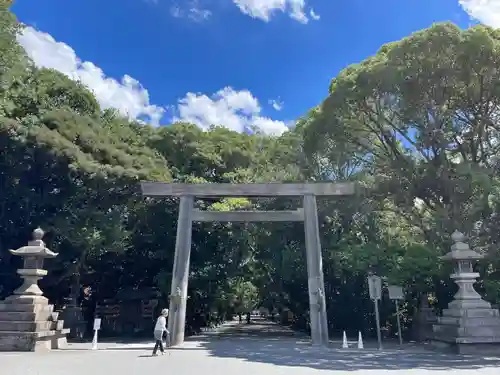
127,96
236,110
192,11
314,15
485,11
277,104
264,9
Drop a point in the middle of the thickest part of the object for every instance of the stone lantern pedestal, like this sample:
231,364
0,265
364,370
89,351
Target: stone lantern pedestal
27,320
469,325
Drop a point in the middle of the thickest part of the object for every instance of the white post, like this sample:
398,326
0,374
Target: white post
94,340
396,294
375,290
377,321
97,327
399,323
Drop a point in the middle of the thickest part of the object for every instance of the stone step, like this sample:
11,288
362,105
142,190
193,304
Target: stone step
36,335
33,341
27,341
466,304
25,307
19,326
19,341
7,316
457,331
482,331
479,340
473,313
491,321
26,299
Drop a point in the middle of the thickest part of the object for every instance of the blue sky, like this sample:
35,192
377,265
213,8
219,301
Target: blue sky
234,62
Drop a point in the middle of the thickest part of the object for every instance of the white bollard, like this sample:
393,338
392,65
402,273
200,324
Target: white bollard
97,327
360,341
345,344
94,340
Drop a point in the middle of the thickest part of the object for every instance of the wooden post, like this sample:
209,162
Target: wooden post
180,274
316,285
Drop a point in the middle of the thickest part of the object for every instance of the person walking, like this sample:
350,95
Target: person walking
160,329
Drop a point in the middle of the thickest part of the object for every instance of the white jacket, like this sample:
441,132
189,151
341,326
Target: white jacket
161,324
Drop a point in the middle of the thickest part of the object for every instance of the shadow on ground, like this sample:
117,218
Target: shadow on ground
268,343
265,342
296,353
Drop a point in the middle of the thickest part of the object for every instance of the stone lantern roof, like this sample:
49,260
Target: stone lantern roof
35,248
460,250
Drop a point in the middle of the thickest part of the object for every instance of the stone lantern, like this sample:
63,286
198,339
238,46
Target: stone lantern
33,254
469,324
27,320
463,259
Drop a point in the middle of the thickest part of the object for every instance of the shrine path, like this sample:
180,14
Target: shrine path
261,348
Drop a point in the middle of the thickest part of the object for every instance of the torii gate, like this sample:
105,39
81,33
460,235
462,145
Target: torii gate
187,214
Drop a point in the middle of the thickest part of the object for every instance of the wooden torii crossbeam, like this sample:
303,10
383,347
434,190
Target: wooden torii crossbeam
187,214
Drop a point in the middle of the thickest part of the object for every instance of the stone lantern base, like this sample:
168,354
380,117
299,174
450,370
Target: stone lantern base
469,329
469,325
29,323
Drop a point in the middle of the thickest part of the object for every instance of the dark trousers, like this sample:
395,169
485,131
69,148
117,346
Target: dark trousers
159,344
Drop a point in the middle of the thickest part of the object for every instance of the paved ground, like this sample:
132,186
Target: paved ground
257,349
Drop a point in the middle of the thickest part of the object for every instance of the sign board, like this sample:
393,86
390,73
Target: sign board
97,324
395,292
375,287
